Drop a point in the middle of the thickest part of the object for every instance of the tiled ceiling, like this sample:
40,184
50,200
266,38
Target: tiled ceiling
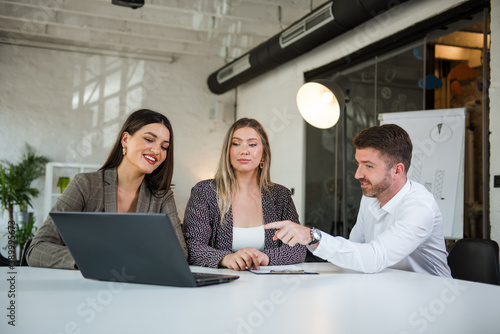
161,30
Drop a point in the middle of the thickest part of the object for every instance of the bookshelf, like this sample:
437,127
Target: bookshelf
56,170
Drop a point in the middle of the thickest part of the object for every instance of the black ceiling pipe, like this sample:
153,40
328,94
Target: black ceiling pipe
323,24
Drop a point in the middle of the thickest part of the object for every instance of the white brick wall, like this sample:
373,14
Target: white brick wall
70,106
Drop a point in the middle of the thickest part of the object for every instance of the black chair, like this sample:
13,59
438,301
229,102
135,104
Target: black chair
24,262
475,260
4,262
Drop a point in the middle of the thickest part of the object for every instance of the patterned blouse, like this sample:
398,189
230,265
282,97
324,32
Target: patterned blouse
209,241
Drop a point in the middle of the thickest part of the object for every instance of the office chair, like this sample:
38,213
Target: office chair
24,262
475,260
4,262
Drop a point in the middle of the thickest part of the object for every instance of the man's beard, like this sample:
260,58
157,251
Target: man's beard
376,189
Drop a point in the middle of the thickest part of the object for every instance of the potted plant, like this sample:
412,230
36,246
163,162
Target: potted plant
15,186
21,235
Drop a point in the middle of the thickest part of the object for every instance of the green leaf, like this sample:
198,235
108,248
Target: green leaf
16,179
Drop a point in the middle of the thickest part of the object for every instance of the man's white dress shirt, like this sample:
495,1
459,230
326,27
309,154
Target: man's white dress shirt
406,233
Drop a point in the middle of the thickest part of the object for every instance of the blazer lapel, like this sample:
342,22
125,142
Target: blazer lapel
143,200
268,207
269,212
110,190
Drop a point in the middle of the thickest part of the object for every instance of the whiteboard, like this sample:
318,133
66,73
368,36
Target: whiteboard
438,138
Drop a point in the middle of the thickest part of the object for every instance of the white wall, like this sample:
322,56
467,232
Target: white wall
271,97
70,107
495,119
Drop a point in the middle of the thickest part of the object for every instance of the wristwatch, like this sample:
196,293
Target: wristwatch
316,236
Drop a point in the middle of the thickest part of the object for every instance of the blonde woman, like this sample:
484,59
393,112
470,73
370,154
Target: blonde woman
225,216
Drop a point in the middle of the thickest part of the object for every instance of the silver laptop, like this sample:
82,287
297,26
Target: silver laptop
129,247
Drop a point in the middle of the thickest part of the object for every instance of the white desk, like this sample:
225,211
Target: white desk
336,301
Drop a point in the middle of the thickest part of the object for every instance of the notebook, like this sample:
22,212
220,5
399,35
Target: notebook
129,247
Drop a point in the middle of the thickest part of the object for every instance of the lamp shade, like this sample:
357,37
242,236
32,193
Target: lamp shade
321,101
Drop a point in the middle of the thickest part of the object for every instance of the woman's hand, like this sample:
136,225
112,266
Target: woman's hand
245,258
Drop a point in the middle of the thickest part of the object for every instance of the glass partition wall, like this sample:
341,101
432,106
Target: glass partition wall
446,69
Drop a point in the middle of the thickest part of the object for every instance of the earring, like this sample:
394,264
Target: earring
261,164
124,151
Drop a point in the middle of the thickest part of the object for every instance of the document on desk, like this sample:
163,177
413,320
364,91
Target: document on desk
280,270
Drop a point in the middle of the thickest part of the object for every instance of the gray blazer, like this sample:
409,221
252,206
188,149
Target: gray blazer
93,192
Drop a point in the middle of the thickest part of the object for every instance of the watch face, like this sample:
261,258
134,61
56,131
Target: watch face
316,234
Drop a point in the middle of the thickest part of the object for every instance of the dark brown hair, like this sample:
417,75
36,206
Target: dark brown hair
160,180
391,140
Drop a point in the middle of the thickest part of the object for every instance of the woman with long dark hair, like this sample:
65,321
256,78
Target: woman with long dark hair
136,177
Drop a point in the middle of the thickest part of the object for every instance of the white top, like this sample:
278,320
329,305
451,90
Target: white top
406,233
248,237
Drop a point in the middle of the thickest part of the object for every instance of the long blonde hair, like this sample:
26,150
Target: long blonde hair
225,180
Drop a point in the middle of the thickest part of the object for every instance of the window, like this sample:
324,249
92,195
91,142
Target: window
444,69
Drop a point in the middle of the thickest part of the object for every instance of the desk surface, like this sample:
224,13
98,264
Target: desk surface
52,301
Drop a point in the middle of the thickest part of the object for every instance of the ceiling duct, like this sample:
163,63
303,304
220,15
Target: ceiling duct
323,24
134,4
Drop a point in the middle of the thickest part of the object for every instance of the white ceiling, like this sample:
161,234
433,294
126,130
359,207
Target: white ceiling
161,30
